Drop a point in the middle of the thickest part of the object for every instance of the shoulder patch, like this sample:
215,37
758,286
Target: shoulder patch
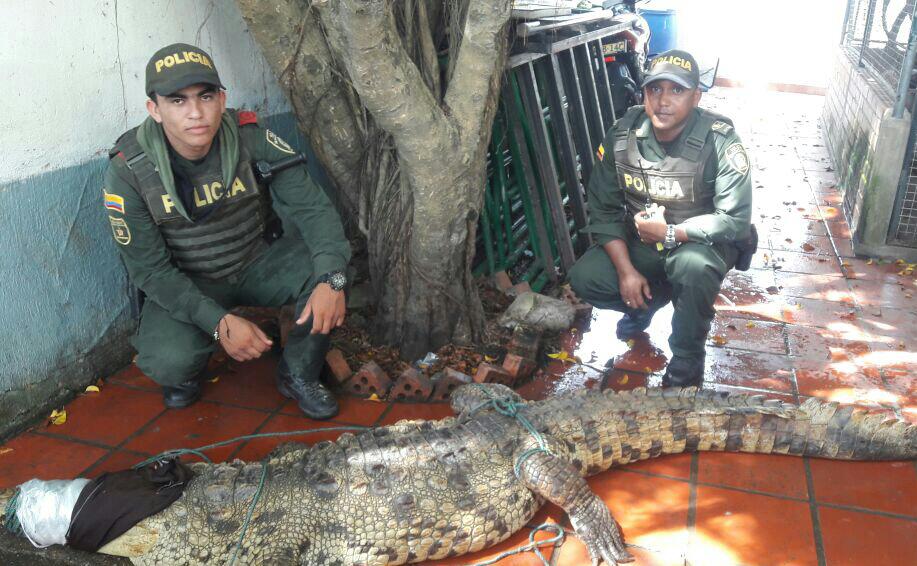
113,202
277,142
120,230
722,127
247,117
601,152
737,158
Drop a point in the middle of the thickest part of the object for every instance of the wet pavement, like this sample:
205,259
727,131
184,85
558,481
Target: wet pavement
808,320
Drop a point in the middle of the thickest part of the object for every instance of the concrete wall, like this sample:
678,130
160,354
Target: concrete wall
73,79
867,146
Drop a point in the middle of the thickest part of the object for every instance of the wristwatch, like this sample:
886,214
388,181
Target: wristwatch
670,242
336,279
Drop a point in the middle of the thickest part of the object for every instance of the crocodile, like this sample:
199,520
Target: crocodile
427,490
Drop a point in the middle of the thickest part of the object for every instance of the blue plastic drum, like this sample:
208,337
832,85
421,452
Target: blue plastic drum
663,28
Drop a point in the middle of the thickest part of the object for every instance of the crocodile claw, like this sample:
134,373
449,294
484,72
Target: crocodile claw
598,530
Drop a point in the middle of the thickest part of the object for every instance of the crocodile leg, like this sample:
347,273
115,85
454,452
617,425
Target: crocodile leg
558,481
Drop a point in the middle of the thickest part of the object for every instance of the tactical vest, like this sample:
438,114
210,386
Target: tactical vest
677,181
228,239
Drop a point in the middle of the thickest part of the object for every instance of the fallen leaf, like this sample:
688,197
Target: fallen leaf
772,290
58,417
845,264
719,340
623,381
630,343
847,315
8,450
488,358
808,247
869,261
374,397
749,324
215,379
900,262
92,389
648,369
562,356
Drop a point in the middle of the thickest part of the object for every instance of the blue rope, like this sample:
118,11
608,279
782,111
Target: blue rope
533,545
10,516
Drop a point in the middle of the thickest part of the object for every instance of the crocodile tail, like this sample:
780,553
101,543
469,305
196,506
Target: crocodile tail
850,433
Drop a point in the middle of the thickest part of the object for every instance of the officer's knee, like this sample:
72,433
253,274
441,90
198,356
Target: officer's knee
694,270
171,367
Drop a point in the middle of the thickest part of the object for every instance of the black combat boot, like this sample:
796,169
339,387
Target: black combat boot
182,395
684,372
636,321
313,398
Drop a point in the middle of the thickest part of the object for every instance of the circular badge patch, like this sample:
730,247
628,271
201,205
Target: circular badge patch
737,158
277,142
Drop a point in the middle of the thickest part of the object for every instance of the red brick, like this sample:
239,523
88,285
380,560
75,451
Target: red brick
502,280
412,385
340,369
449,380
371,379
525,342
489,373
519,367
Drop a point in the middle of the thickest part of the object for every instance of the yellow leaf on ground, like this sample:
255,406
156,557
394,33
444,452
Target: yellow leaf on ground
58,417
488,358
374,397
719,340
215,379
5,451
869,261
623,381
749,324
92,389
562,356
845,264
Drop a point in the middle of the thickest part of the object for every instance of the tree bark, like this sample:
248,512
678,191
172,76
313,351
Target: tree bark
403,139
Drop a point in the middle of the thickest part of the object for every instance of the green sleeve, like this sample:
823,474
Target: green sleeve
299,202
148,260
729,169
607,212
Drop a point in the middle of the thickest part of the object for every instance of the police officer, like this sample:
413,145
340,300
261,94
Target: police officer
190,220
669,200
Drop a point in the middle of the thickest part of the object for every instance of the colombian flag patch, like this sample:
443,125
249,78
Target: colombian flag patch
114,202
600,153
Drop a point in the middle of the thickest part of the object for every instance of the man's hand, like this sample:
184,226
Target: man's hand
242,339
326,307
634,287
651,227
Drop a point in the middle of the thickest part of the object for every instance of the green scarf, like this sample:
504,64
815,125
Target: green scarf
152,140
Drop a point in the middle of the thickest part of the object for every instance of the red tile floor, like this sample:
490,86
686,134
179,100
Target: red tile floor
808,320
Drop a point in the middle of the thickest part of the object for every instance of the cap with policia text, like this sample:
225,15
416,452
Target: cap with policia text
177,66
675,65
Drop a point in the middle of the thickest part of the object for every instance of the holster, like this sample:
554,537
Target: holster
747,248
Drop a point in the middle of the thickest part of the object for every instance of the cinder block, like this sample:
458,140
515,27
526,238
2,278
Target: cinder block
502,280
525,342
489,373
371,379
449,380
518,367
340,369
411,385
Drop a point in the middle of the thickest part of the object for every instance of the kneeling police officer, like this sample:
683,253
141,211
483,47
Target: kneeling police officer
190,218
670,207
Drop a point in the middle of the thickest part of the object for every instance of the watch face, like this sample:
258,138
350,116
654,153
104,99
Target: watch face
337,281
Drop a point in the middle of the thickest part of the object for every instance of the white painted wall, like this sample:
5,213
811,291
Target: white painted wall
73,72
761,41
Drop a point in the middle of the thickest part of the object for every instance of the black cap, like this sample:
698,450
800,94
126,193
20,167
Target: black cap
675,65
177,66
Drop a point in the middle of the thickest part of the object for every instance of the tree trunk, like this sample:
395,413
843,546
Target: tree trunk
402,137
